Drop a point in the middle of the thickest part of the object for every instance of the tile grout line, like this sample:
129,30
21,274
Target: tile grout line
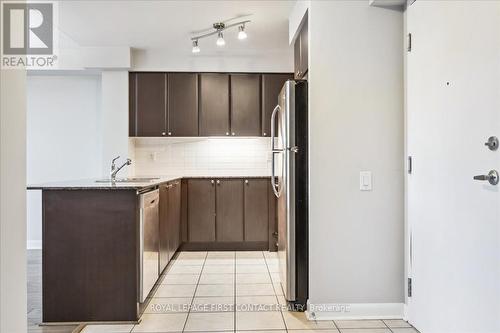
275,294
234,299
387,326
335,325
194,295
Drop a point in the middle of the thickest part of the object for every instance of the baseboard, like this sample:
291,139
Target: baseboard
34,245
355,311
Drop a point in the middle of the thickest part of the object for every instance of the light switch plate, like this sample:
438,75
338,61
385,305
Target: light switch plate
365,180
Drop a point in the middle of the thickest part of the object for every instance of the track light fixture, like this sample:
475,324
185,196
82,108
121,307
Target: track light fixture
219,28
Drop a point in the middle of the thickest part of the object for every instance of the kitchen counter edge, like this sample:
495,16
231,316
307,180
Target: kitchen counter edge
91,184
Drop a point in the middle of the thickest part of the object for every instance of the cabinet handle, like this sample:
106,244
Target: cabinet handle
169,133
246,181
218,182
212,181
265,134
233,134
163,133
227,133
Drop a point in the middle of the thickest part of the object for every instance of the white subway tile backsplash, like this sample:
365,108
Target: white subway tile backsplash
202,156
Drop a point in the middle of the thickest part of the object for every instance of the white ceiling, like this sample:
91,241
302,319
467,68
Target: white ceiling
168,24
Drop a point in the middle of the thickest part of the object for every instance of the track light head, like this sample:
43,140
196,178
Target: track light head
220,39
242,34
196,48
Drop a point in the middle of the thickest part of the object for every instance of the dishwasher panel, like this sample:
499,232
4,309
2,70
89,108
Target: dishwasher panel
149,242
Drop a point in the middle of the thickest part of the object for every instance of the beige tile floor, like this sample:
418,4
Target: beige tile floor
231,292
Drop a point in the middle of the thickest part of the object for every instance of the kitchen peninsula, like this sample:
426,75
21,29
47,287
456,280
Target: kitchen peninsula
106,244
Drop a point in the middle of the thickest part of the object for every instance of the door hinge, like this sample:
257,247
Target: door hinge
409,42
410,165
409,287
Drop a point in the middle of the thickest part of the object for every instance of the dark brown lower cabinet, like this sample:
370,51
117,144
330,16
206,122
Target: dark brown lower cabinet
184,211
164,228
201,210
256,210
174,217
229,211
228,214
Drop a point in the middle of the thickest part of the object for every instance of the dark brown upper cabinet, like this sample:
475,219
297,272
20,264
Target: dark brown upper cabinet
149,104
202,104
201,210
214,105
301,53
245,105
132,115
271,88
229,219
182,104
256,210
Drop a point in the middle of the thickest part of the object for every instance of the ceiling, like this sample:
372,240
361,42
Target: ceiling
168,24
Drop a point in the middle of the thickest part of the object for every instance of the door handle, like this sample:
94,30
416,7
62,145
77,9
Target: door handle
492,177
275,187
272,126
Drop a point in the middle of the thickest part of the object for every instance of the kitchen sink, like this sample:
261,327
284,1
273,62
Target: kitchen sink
129,180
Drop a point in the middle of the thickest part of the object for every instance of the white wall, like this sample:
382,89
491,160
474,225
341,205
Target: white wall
170,60
356,124
63,136
114,111
13,201
203,156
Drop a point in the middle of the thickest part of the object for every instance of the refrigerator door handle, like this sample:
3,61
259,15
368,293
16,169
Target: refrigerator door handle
273,115
276,189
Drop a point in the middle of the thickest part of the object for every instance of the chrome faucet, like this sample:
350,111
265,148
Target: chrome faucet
115,170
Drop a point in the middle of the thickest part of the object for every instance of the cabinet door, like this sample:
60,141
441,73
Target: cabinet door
271,88
229,210
174,217
214,104
201,210
304,48
164,232
150,104
256,210
182,104
245,105
132,125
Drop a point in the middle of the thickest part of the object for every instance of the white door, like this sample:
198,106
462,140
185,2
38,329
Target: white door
453,107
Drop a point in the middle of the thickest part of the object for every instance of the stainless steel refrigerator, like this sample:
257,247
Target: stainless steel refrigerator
289,144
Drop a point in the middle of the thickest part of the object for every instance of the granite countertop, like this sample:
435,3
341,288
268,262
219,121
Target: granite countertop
100,185
90,184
